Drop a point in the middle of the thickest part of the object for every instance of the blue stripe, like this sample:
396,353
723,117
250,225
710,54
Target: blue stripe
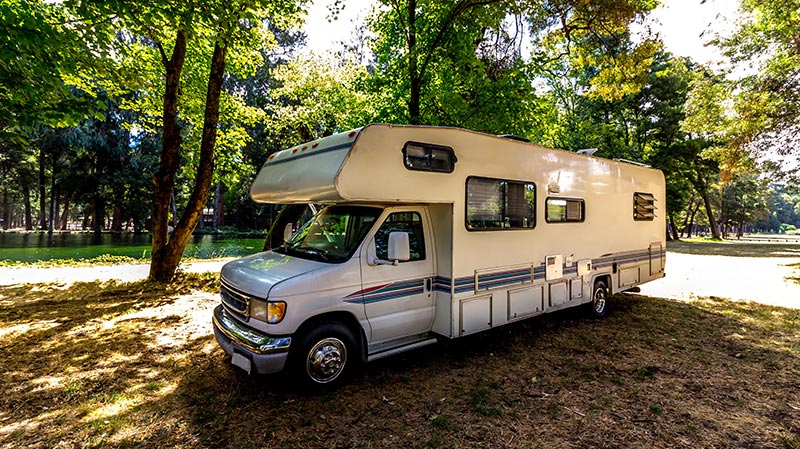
393,295
311,153
391,291
467,283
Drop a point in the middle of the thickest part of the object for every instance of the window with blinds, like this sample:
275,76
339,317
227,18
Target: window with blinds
494,204
644,206
564,210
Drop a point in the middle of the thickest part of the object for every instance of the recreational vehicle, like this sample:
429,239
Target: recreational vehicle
428,233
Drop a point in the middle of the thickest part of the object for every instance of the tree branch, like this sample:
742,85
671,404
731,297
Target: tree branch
460,8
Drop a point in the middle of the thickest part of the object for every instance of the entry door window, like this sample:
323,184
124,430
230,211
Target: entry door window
408,222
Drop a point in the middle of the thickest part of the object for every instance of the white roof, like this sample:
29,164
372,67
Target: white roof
367,165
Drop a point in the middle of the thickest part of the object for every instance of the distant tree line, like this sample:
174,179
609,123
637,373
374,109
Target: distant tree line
130,115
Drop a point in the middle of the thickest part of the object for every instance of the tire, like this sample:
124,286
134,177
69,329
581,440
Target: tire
325,356
598,306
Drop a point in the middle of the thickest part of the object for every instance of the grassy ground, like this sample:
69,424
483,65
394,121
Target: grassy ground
136,365
734,248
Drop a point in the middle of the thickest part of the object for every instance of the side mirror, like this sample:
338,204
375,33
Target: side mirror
399,247
287,232
399,250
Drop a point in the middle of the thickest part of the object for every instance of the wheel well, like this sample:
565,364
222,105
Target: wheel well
605,278
339,317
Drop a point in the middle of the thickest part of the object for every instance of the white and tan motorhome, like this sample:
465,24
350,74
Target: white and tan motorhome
429,233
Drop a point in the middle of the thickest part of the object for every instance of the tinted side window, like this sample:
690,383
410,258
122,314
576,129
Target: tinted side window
429,157
408,222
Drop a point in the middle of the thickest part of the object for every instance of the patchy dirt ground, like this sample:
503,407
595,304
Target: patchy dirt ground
106,364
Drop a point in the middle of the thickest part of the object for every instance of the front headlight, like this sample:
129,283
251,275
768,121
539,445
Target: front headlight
268,311
275,311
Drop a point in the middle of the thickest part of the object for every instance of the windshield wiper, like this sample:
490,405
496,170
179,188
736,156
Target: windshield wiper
316,251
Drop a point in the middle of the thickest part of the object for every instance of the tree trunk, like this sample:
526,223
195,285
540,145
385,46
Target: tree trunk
26,195
116,215
690,219
164,179
42,193
116,218
712,223
56,213
99,215
65,215
167,254
52,207
6,210
415,79
289,213
219,206
673,227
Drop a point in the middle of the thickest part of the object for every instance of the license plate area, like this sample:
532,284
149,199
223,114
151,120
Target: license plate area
242,362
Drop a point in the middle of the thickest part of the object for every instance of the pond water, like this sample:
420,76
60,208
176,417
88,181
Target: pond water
30,247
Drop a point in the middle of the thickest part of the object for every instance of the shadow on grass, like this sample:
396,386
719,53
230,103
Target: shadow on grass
142,370
735,249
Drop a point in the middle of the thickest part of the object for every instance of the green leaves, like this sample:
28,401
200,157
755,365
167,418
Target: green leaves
38,49
767,102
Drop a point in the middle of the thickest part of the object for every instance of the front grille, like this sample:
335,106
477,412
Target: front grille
237,301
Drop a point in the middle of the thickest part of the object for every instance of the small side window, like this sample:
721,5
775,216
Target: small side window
408,222
644,206
564,210
429,157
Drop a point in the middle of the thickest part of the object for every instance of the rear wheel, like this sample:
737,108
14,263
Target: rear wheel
599,303
326,356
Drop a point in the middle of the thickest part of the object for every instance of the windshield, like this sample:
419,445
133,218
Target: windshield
333,234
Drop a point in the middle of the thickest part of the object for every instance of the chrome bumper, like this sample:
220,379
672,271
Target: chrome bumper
251,340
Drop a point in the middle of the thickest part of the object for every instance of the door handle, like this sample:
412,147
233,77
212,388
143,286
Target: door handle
428,284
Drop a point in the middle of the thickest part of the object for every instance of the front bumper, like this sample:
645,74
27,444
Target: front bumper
266,353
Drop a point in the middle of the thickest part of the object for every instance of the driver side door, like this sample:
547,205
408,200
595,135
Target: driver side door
397,298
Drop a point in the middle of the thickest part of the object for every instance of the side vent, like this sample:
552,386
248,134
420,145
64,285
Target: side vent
644,206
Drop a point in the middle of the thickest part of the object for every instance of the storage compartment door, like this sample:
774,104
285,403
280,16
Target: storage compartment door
525,301
475,314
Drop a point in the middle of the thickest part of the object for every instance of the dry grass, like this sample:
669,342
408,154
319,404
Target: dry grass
734,248
136,365
796,279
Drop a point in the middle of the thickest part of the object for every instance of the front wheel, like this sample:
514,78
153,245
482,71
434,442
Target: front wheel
326,356
599,303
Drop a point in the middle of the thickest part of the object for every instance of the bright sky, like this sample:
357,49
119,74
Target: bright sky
684,25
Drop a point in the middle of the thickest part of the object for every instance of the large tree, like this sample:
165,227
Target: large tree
182,36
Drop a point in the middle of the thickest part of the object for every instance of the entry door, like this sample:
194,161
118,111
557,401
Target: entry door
397,298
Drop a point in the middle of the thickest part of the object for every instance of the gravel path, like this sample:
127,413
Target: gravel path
759,279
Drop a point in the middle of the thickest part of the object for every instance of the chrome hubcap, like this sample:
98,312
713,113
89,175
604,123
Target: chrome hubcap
326,360
599,300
